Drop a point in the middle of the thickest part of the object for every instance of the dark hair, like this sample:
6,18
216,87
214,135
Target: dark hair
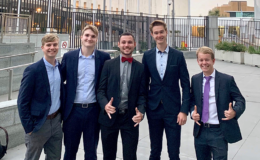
126,34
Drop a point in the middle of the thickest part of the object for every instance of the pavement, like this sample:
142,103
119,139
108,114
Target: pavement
247,79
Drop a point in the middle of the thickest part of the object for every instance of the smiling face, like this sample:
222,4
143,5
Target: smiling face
88,38
50,49
206,63
126,45
159,34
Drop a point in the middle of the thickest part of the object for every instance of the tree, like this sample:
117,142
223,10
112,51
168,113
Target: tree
214,13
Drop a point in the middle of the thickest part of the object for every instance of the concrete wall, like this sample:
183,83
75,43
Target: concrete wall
9,119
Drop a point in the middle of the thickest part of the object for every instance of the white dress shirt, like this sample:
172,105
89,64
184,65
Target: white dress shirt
213,114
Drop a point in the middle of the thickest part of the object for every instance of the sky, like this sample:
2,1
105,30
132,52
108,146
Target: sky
202,7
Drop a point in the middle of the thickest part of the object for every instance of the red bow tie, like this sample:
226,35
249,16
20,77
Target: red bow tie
130,60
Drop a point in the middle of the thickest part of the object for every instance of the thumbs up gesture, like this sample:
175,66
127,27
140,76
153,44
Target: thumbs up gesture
138,117
195,115
109,108
230,113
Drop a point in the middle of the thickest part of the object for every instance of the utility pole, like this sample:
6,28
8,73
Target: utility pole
103,25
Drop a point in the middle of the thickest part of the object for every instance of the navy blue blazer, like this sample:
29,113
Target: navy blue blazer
69,71
226,91
34,99
109,87
167,90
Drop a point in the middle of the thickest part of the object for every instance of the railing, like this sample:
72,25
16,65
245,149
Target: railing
113,53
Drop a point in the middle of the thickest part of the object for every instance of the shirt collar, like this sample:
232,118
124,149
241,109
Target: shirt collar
82,56
212,75
165,51
50,65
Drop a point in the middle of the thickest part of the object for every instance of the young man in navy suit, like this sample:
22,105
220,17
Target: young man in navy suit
81,69
39,103
212,109
121,95
165,67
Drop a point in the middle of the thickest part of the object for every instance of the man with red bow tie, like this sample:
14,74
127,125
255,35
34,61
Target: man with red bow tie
121,96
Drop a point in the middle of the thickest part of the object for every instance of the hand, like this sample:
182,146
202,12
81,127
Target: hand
230,113
29,133
109,108
182,118
195,115
138,117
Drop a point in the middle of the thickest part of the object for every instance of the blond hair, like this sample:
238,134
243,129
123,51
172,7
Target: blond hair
157,23
49,38
92,28
205,50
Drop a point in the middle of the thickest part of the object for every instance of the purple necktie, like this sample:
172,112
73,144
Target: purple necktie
205,109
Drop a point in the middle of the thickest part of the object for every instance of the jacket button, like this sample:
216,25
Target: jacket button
161,102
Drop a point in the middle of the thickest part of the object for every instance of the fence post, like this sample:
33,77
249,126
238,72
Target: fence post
2,27
29,28
110,31
137,34
10,84
212,28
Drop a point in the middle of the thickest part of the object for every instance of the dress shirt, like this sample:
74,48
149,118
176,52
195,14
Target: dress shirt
161,61
213,114
85,92
55,82
125,73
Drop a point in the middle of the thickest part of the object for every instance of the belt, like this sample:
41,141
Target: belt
207,125
53,115
85,105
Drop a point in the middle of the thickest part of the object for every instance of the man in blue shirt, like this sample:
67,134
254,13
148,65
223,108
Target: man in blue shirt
39,103
81,69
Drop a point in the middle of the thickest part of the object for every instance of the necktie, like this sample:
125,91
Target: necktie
130,60
205,109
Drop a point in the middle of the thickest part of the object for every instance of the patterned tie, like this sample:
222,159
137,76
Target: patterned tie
205,110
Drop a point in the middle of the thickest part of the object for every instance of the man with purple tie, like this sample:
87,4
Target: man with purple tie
212,109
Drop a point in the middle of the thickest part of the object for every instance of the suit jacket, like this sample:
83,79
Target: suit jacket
109,87
34,99
69,70
226,91
167,90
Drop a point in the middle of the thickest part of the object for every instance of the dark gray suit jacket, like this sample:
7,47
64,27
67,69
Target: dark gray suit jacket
226,91
109,86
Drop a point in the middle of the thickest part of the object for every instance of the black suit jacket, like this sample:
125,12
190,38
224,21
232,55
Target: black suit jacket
226,91
167,90
69,70
34,99
109,87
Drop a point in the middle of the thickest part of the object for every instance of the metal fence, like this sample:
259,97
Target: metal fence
15,24
57,16
243,31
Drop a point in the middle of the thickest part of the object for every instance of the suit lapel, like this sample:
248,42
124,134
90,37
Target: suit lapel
75,66
97,65
45,76
132,73
217,82
117,73
170,57
153,64
199,82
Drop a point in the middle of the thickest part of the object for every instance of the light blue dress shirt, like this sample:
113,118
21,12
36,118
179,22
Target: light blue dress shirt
55,82
161,61
85,92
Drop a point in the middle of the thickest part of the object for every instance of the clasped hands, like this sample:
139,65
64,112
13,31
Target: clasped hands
229,114
111,110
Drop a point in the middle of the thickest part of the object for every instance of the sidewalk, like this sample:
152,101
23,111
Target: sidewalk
248,81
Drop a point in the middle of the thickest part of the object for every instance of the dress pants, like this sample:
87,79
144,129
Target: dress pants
211,143
158,121
129,135
81,120
49,138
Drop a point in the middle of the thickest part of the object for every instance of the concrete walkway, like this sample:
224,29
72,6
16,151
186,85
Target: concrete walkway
248,80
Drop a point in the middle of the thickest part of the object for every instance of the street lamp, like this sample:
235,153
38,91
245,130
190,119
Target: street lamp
38,10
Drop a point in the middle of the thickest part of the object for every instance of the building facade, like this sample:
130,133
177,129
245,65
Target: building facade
235,9
136,6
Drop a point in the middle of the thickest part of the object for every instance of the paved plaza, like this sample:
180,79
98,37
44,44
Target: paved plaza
248,80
